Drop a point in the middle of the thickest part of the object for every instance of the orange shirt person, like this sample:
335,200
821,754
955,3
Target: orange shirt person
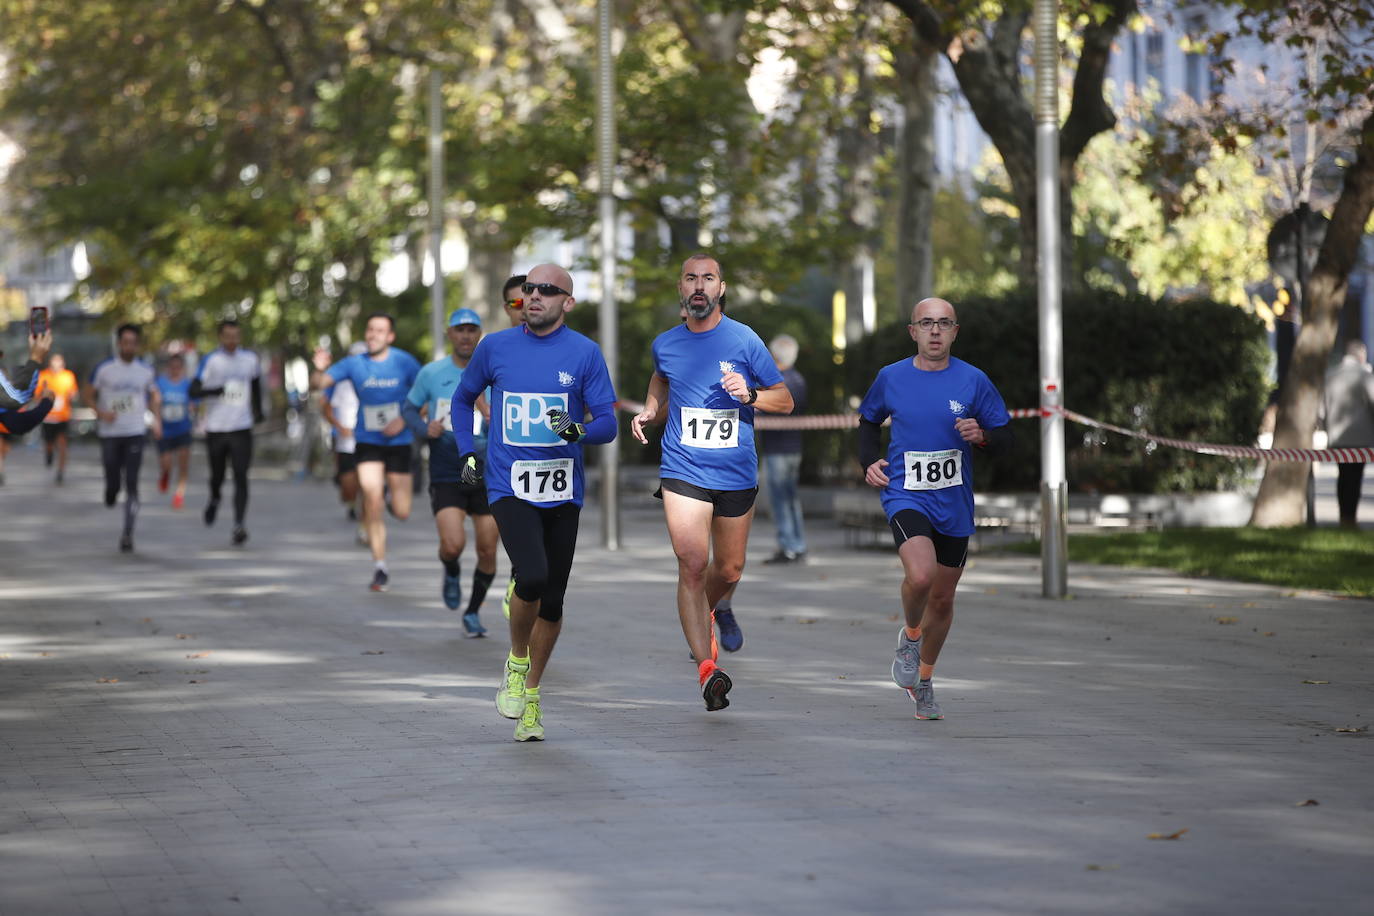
59,382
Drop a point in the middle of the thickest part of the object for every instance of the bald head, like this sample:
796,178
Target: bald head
551,273
933,308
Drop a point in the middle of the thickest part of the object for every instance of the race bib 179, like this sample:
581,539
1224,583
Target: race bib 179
704,427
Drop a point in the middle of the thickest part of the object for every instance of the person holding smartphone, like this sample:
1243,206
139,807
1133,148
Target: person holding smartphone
18,390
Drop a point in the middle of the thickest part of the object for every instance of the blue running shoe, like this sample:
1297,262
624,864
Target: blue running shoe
731,639
453,591
472,626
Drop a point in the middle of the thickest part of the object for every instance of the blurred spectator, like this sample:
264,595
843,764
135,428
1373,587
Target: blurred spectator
782,455
1348,410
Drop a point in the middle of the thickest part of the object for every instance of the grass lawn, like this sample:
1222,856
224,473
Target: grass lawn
1327,559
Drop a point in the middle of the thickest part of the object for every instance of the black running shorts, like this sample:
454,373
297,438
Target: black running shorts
447,495
395,457
724,503
949,550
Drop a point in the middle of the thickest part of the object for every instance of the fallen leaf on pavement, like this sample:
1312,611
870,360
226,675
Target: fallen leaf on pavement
374,652
147,620
109,680
1310,803
1351,730
1269,633
806,620
1316,682
1103,867
45,654
186,636
1226,620
1167,836
198,654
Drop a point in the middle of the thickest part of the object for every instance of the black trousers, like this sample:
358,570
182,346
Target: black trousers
234,449
1349,482
540,544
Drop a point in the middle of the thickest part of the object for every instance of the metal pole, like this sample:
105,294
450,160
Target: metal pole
436,210
608,318
1053,483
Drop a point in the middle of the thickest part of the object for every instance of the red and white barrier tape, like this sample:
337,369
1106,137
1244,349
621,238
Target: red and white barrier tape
851,421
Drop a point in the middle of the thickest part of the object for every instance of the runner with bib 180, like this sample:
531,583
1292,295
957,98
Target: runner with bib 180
710,373
942,408
545,378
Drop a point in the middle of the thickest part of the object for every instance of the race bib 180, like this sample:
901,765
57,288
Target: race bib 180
542,481
934,470
524,418
376,417
704,427
174,413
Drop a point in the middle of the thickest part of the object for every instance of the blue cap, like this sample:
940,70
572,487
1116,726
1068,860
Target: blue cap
464,316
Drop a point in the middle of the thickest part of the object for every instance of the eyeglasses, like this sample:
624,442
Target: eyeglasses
515,303
545,289
944,324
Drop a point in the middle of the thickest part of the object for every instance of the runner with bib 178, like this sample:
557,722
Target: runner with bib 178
545,379
942,409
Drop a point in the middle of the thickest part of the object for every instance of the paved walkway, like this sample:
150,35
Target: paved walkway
197,729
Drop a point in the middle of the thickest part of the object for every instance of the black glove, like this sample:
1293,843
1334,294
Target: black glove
564,427
471,469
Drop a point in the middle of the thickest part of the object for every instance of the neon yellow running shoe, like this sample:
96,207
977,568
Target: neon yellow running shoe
510,699
510,591
531,724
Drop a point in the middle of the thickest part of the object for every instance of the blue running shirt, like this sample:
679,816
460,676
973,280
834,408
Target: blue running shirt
709,439
528,375
381,385
434,386
928,463
176,406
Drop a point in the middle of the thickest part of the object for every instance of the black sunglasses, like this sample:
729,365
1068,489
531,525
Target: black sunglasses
545,289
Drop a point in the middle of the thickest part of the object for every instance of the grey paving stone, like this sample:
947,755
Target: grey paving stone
301,776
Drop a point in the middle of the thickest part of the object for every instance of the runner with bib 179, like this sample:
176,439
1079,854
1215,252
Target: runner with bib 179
710,373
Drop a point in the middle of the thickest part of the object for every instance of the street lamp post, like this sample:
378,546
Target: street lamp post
1053,482
608,319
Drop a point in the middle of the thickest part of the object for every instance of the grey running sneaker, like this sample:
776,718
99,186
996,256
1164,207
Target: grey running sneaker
907,665
923,695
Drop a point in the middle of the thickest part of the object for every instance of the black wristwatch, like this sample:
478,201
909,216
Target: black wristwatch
753,396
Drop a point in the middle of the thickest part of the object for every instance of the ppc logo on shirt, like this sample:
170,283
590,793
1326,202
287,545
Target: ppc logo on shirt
956,408
524,420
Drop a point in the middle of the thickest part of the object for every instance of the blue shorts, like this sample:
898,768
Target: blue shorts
172,443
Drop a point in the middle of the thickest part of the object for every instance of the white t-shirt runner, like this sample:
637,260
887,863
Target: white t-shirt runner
234,372
123,388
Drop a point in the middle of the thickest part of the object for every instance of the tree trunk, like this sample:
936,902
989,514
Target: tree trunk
988,67
916,71
489,265
1282,499
857,155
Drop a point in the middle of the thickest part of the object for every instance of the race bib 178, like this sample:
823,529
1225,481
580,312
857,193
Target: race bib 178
547,481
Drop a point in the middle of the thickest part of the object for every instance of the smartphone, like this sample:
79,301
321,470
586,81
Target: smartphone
38,320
